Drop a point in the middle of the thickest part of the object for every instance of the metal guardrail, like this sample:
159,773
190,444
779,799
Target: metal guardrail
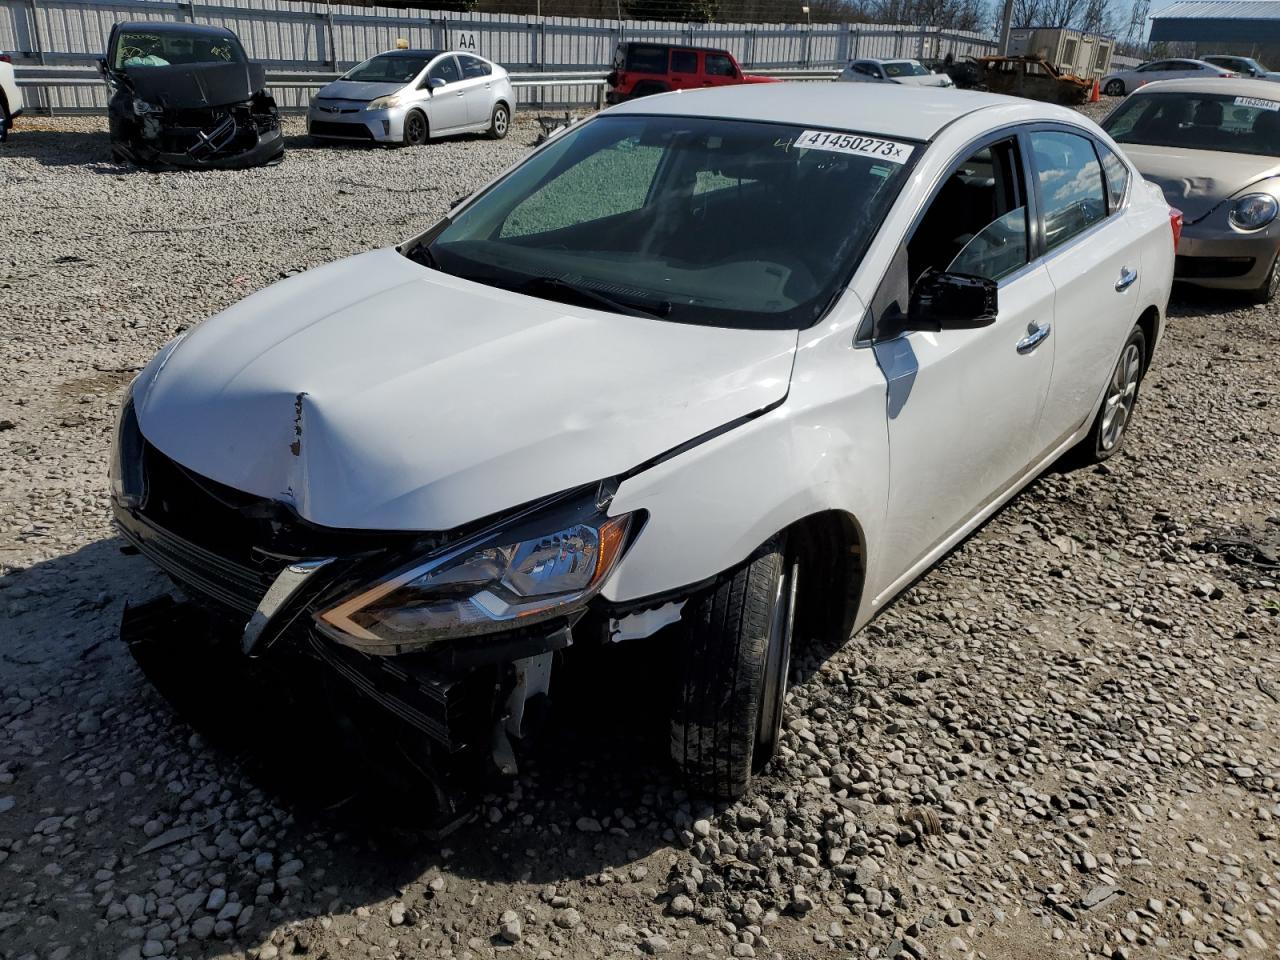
72,76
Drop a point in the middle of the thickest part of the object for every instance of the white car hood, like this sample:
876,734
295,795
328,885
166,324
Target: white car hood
376,394
929,80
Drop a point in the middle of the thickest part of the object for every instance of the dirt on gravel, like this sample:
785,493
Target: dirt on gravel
1060,743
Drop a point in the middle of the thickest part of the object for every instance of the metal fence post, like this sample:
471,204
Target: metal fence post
35,35
332,59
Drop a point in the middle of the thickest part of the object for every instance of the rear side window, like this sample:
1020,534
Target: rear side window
471,67
1117,175
1072,196
719,65
647,58
684,61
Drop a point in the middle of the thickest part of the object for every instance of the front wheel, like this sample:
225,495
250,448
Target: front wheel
733,679
1114,88
500,122
415,129
6,121
1266,292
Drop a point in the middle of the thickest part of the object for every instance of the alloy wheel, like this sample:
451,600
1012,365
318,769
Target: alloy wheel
415,129
500,122
1122,393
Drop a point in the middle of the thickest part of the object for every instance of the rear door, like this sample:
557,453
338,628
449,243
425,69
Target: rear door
477,88
1092,253
684,69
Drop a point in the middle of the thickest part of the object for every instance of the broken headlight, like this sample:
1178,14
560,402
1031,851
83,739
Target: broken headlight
500,580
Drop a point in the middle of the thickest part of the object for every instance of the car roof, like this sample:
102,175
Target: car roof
164,26
411,53
913,113
1235,86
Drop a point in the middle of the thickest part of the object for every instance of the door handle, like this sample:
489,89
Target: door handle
1036,333
1127,279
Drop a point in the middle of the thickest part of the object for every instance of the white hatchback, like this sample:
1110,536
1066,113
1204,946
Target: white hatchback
708,366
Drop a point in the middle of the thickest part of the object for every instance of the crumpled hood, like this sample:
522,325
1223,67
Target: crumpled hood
1196,181
358,92
376,394
184,86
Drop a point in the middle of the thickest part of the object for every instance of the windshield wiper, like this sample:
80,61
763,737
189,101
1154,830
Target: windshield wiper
590,297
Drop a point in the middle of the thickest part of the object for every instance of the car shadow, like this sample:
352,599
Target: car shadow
62,148
594,793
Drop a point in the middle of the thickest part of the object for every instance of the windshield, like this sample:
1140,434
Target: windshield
717,222
905,68
140,48
1199,121
389,68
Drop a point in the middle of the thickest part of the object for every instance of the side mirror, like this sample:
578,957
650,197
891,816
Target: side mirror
951,301
102,66
435,83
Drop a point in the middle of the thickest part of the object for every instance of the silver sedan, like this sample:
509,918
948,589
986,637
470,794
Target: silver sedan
410,96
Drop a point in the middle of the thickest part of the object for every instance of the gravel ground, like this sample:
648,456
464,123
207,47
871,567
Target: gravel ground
1060,743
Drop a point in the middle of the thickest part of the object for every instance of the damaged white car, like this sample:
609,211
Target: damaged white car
713,366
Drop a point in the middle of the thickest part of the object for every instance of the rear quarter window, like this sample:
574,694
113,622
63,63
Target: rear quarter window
647,58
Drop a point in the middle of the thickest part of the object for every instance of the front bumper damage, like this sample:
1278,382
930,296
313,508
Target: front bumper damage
234,136
250,577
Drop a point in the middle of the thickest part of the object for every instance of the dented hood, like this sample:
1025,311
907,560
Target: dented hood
374,393
1196,181
184,86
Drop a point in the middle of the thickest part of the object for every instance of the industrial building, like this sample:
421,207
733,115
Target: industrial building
1247,28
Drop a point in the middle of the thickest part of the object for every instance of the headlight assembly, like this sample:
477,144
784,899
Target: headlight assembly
497,581
384,103
1253,211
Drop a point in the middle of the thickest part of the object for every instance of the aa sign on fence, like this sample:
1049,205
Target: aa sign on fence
466,40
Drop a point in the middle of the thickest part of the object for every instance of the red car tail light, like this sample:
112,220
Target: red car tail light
5,58
1175,222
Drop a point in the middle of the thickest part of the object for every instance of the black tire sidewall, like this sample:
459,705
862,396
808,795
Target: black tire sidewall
1095,436
1115,88
494,133
1267,292
426,130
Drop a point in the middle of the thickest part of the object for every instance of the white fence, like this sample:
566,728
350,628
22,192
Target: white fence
301,36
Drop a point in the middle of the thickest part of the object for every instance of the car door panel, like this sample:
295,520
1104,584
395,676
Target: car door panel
446,106
477,89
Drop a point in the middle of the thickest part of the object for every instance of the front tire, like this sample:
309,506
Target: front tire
1114,88
1111,425
416,131
732,683
6,121
500,122
1270,286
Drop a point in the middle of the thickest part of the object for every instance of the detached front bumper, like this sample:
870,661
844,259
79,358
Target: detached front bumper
1222,258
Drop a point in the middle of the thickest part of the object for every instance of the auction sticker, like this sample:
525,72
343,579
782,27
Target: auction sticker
856,144
1258,104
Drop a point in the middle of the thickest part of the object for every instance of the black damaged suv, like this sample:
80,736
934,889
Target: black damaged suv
185,95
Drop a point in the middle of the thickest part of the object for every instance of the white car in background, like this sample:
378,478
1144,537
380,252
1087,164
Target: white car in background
714,363
1120,82
10,98
909,73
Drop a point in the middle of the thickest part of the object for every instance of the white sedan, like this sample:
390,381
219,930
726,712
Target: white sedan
1120,82
909,73
10,98
710,366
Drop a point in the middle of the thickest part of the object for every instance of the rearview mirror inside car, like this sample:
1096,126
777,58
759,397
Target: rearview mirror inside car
951,301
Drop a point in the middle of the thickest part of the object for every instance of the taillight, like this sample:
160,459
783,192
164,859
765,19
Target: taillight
5,58
1175,222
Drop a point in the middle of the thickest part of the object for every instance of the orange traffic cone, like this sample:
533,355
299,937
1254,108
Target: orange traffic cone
1095,94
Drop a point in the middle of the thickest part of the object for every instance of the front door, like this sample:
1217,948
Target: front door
447,105
964,406
684,69
718,70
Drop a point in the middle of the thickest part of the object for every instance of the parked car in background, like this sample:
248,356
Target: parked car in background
1244,66
909,73
1213,146
410,96
642,69
647,381
10,98
1121,82
185,95
1033,78
964,72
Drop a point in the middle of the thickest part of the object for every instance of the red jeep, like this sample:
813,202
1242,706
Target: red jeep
640,69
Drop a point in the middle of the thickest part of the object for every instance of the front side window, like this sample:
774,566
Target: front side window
1117,175
707,221
976,224
1154,67
389,68
719,65
163,48
1070,180
1220,122
904,68
684,61
445,69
